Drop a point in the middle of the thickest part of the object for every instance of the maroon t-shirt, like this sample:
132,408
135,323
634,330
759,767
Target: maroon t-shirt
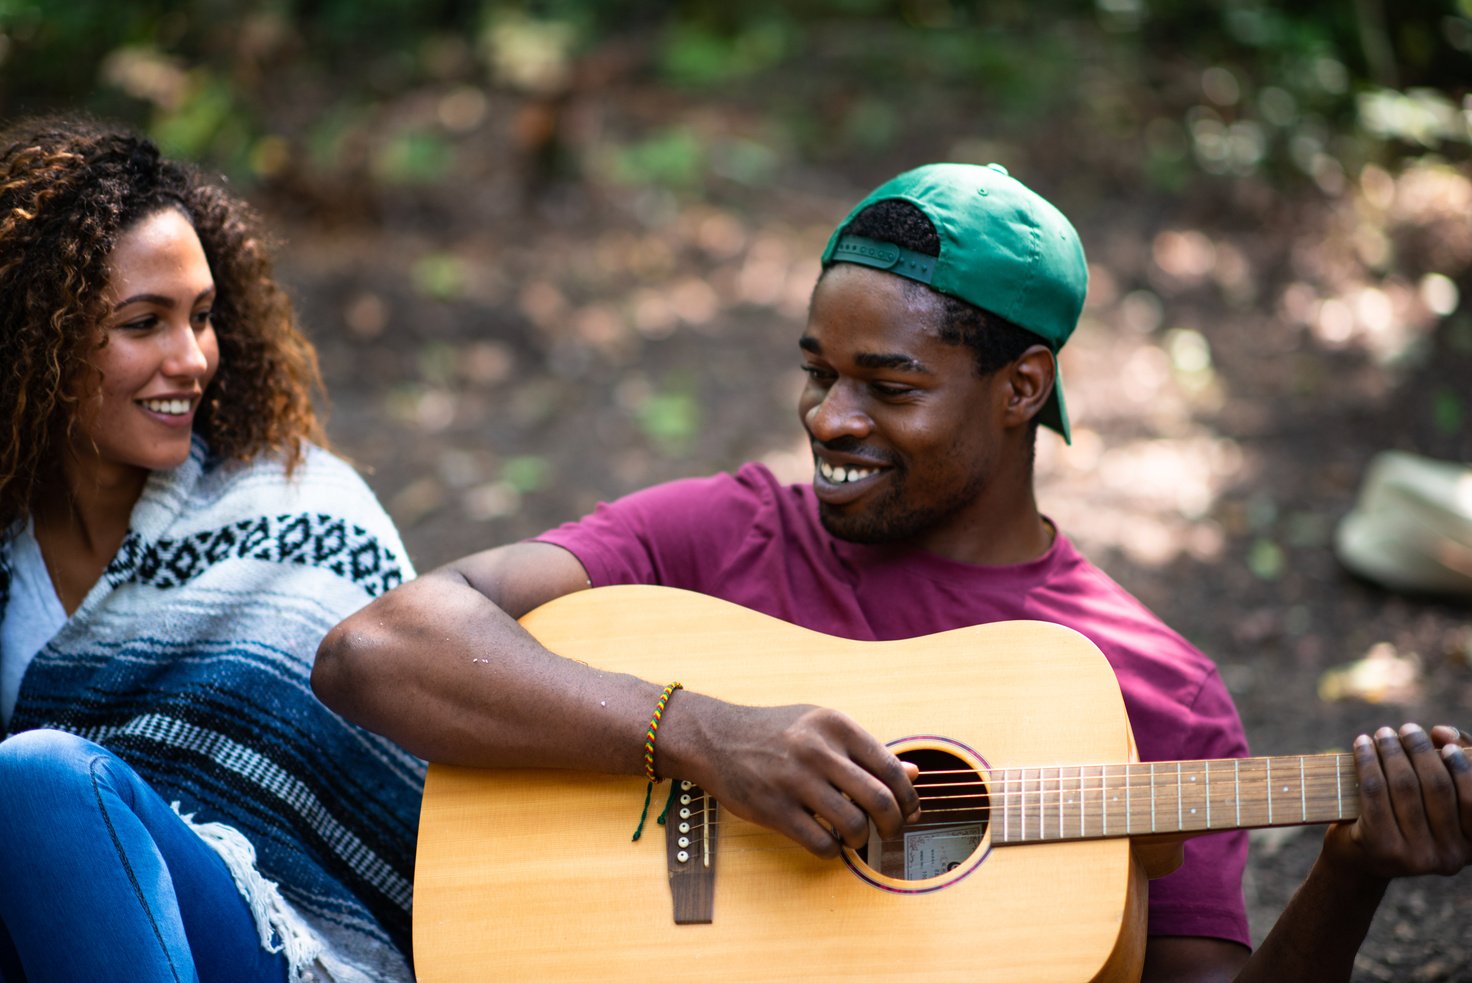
747,538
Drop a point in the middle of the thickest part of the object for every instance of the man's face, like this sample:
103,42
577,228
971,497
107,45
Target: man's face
904,432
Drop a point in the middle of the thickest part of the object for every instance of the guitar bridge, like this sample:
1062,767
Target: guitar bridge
690,834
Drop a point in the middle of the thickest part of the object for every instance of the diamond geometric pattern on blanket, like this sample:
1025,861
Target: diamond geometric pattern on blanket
316,540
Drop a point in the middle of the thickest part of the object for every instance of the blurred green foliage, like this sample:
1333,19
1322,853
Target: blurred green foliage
262,87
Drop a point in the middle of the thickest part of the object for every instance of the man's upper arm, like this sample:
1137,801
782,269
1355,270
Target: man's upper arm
1185,959
521,576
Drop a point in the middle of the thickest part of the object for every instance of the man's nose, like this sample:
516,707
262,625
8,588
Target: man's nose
840,413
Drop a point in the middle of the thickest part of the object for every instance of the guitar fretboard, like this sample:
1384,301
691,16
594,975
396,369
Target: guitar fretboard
1072,802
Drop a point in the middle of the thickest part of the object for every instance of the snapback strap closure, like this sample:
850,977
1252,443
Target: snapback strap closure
884,256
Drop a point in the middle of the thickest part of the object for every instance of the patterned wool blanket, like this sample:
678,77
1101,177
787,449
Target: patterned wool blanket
190,659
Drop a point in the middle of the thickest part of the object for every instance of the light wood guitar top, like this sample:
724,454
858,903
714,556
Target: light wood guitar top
531,875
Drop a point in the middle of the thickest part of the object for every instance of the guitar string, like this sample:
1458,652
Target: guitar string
746,830
1054,785
1316,763
1045,800
1045,790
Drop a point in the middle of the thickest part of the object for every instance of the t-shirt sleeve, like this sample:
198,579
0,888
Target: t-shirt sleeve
1203,897
671,534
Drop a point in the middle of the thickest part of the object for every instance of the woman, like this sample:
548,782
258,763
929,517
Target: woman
174,803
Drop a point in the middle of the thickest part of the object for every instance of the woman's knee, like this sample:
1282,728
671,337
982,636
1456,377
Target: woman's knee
41,757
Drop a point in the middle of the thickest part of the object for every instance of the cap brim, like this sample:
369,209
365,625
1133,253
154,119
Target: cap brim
1054,414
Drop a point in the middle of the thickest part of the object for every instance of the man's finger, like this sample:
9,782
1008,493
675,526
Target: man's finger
872,796
1375,810
847,821
1402,783
897,778
1444,734
1459,765
1438,794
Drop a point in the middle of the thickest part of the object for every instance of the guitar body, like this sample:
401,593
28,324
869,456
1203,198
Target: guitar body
529,875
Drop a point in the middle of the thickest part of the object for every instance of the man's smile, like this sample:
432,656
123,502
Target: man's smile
840,475
845,480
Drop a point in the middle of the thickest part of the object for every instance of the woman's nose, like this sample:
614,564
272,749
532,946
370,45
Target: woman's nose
186,355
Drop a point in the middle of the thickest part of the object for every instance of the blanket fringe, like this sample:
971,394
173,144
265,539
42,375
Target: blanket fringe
281,928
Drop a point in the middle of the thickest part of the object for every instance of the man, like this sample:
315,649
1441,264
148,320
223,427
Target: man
930,351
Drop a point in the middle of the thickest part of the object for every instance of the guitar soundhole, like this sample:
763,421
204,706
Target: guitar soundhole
955,808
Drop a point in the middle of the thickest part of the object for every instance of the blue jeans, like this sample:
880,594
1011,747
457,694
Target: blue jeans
100,880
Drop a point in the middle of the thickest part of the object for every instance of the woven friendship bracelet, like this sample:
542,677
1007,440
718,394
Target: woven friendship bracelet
653,732
649,736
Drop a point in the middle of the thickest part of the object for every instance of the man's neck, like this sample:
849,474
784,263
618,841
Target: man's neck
998,543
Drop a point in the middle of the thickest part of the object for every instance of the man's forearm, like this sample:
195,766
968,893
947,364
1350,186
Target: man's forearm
1320,931
441,670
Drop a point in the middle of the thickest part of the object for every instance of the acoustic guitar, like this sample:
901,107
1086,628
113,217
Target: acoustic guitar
1029,862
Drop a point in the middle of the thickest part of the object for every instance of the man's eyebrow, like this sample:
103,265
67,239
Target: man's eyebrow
871,360
897,361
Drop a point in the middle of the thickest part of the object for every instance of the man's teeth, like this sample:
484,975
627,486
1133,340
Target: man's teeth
838,474
170,407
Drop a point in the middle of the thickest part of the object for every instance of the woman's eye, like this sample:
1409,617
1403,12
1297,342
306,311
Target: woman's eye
139,323
204,317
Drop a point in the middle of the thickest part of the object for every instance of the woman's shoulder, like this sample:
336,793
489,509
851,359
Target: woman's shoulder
315,468
321,497
319,482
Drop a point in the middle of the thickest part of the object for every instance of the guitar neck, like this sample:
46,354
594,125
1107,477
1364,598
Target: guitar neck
1081,802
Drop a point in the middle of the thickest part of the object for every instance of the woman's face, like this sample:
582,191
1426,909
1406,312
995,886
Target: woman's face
160,352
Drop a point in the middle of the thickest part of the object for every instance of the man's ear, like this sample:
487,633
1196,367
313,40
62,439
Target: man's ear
1030,381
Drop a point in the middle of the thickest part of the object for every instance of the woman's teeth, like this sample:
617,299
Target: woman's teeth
839,475
169,407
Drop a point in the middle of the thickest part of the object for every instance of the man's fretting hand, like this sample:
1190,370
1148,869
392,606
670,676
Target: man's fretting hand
1415,805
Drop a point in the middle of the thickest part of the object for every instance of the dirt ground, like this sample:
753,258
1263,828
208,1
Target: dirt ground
499,359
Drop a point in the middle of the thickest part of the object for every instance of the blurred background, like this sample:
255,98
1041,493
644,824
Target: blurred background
553,252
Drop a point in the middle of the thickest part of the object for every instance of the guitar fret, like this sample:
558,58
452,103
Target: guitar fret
1083,800
1060,802
1339,787
1152,796
1237,787
1022,801
1180,797
1006,809
1269,763
1023,786
1303,793
1208,794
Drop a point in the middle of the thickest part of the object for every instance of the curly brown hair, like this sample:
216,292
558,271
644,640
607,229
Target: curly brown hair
69,188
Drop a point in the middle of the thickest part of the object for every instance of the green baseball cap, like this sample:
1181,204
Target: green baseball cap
1003,248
